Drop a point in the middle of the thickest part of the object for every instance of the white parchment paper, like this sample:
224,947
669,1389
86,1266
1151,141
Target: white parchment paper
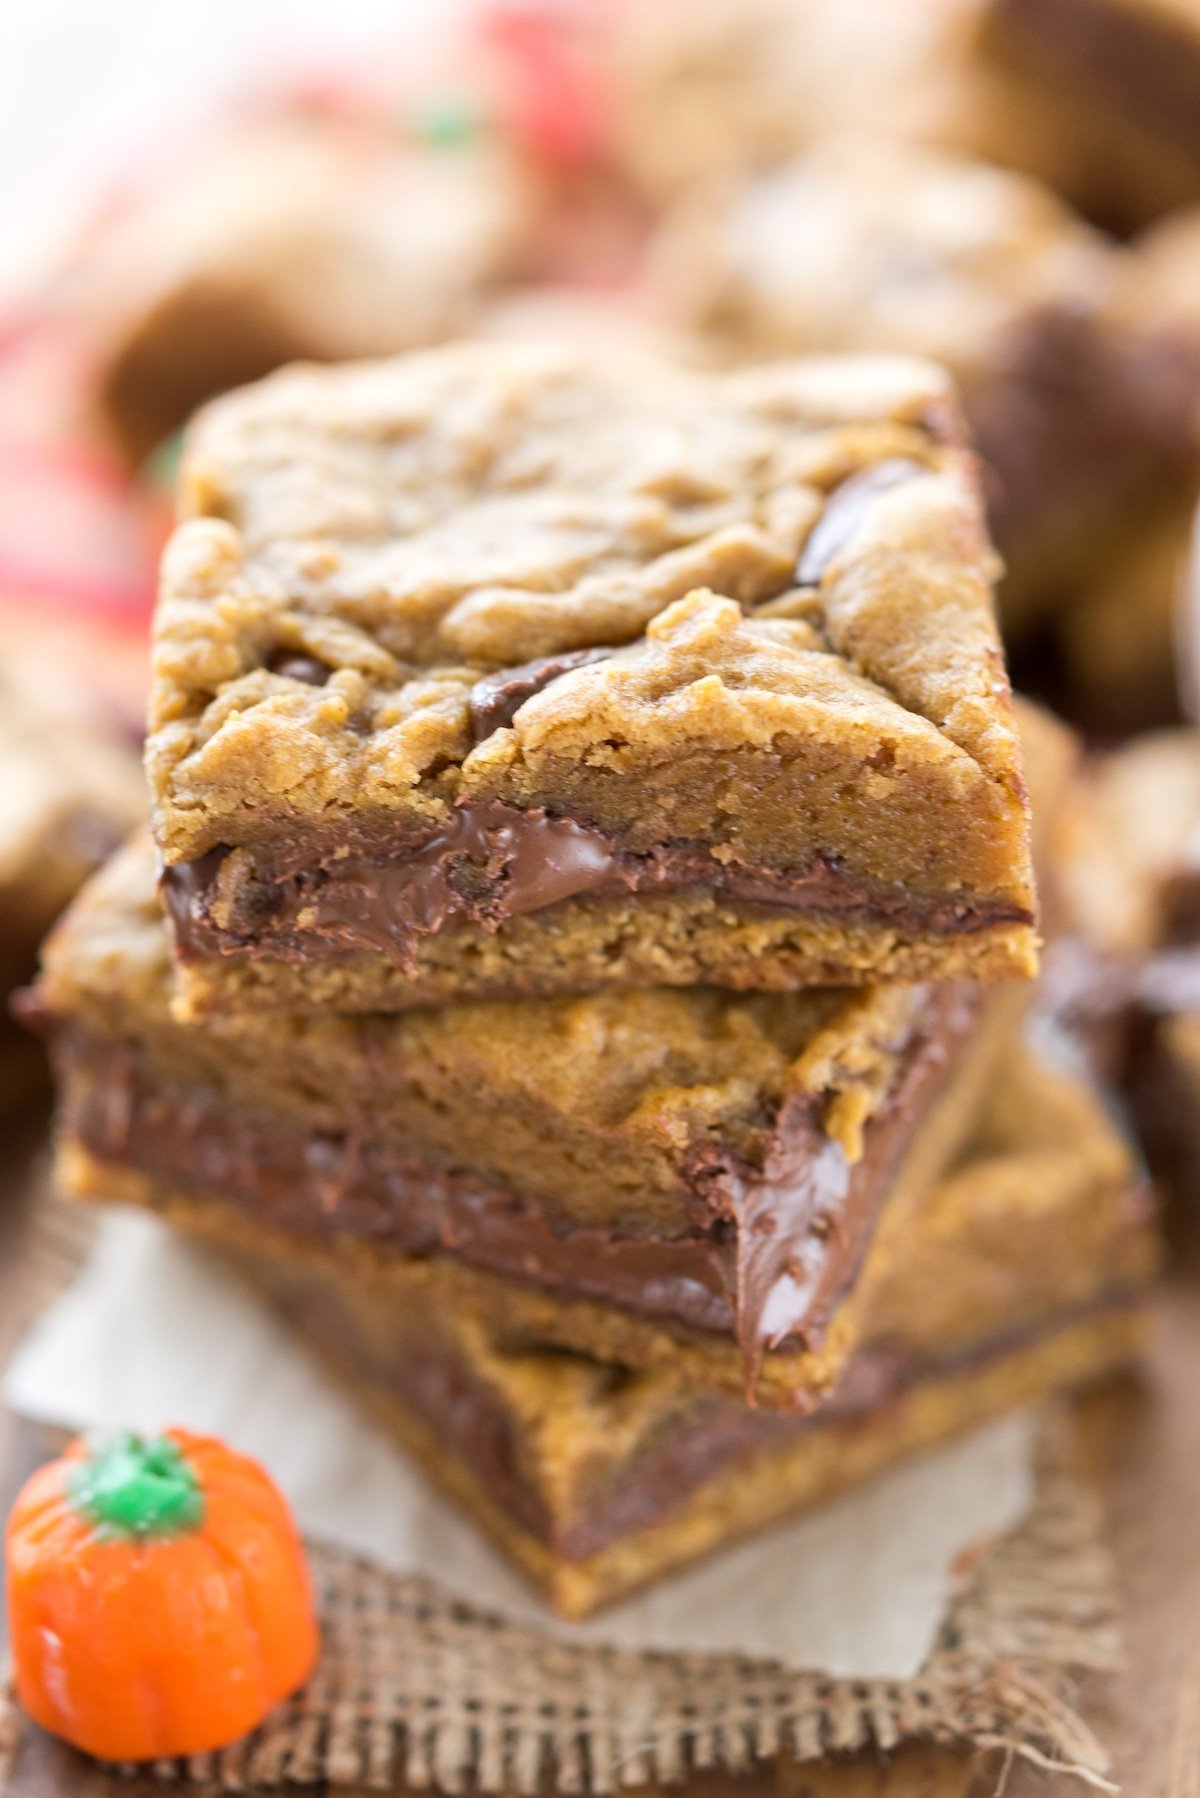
156,1332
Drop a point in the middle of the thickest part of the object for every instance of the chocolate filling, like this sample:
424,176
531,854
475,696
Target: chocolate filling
777,1246
487,863
495,700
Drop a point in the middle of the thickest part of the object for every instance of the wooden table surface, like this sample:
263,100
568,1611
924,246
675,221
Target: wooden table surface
1143,1438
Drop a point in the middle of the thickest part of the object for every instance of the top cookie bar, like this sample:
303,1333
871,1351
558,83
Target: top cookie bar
499,669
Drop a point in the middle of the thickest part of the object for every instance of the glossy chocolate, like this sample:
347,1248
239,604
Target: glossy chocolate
488,863
847,507
495,700
774,1248
302,668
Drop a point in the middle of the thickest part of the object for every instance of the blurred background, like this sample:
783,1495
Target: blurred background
85,87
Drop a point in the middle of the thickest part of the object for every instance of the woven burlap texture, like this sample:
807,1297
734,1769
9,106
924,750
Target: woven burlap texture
417,1689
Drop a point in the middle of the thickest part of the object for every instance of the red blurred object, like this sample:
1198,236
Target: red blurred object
79,541
74,534
551,89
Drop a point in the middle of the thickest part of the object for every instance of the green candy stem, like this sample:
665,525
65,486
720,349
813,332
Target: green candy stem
446,122
137,1486
160,470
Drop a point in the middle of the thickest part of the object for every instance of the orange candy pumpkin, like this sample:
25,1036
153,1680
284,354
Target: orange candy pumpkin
158,1597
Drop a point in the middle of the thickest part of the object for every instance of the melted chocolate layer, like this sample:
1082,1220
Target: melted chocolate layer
782,1242
486,864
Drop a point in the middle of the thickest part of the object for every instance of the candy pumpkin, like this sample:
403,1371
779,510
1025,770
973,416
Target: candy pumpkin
158,1597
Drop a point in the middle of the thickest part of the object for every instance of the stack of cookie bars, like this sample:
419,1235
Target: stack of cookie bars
580,966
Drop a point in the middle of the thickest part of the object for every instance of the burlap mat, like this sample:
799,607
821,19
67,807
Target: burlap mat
418,1689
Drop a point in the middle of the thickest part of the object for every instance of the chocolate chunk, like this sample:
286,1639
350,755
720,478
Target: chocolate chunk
846,508
297,667
496,699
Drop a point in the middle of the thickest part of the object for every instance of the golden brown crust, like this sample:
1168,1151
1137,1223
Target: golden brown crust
414,526
685,940
444,561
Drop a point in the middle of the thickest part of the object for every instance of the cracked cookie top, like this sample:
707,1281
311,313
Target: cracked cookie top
620,566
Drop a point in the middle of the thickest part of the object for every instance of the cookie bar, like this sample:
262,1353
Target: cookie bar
1125,74
72,791
1081,394
1024,1271
1130,843
297,236
691,1175
499,670
1131,973
1130,644
701,93
1117,643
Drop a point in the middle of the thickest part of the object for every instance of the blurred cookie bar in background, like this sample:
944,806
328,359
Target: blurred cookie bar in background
1122,76
1130,875
1079,380
305,236
703,91
72,789
1133,647
1132,867
1094,97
